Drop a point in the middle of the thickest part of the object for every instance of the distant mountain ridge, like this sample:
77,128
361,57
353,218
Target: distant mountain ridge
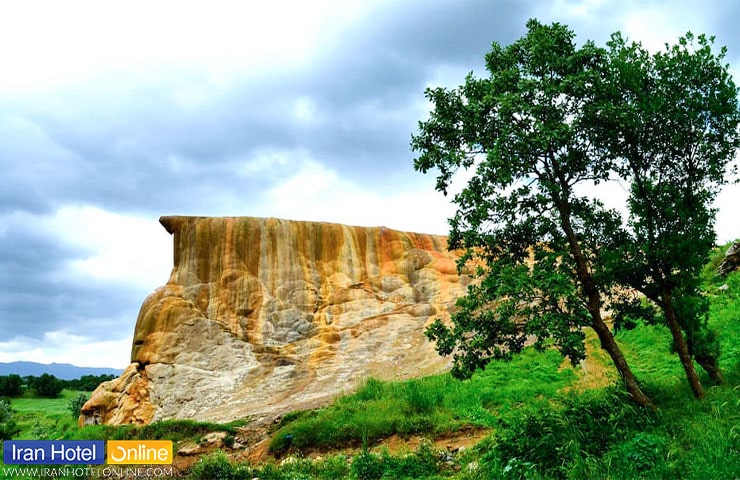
64,371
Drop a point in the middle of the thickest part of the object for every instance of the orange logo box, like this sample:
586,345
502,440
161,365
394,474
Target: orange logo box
139,452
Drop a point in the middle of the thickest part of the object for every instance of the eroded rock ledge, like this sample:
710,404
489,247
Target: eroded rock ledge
261,316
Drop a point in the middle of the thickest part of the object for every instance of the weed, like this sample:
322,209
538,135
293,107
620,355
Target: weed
218,466
75,405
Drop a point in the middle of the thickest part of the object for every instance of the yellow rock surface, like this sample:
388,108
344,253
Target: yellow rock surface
261,316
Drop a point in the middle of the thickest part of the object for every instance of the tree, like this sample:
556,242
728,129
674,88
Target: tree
670,122
46,385
10,385
534,244
88,383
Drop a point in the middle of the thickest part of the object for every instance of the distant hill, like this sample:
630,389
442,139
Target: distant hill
65,371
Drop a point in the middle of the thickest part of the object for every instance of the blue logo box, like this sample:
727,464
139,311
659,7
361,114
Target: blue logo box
54,452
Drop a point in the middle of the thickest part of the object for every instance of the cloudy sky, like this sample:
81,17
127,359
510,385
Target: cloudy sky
112,114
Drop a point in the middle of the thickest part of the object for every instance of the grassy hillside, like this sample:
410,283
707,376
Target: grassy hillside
546,419
537,417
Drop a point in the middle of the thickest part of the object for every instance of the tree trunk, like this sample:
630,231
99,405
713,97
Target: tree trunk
710,366
609,344
594,308
680,343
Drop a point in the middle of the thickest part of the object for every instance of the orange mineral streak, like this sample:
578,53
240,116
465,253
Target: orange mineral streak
262,316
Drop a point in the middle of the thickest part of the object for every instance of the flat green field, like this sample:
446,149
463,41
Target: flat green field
44,418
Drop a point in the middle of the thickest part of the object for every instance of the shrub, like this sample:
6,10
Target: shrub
373,389
643,451
423,463
549,437
218,466
75,405
8,427
422,397
367,466
297,468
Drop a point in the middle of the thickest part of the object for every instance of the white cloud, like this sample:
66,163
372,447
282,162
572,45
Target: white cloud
578,8
60,347
317,193
52,43
124,66
120,248
728,226
653,28
305,110
265,163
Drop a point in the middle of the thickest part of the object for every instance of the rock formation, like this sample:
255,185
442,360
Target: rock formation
731,262
263,316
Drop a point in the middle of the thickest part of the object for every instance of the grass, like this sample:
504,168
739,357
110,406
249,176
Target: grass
50,418
44,418
432,405
175,430
540,428
545,419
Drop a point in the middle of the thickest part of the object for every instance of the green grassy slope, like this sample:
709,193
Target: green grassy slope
541,429
546,420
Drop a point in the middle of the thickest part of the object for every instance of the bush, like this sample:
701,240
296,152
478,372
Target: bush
547,438
643,451
367,466
422,397
75,405
373,389
424,462
8,427
218,466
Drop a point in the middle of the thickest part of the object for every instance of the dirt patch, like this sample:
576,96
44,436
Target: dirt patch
252,446
596,371
465,438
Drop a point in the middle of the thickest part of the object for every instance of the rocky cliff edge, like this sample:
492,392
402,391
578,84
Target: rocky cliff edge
262,316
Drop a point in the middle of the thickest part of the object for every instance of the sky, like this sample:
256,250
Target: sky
115,113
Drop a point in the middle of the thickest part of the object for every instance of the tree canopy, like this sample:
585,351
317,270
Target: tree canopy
11,385
669,120
550,119
534,241
46,385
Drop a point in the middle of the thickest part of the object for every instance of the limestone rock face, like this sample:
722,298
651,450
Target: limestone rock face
261,316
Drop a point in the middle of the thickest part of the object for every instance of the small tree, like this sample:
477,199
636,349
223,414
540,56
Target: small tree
8,427
47,385
534,244
75,405
670,121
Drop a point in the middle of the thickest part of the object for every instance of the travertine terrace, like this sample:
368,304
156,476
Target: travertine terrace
261,316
